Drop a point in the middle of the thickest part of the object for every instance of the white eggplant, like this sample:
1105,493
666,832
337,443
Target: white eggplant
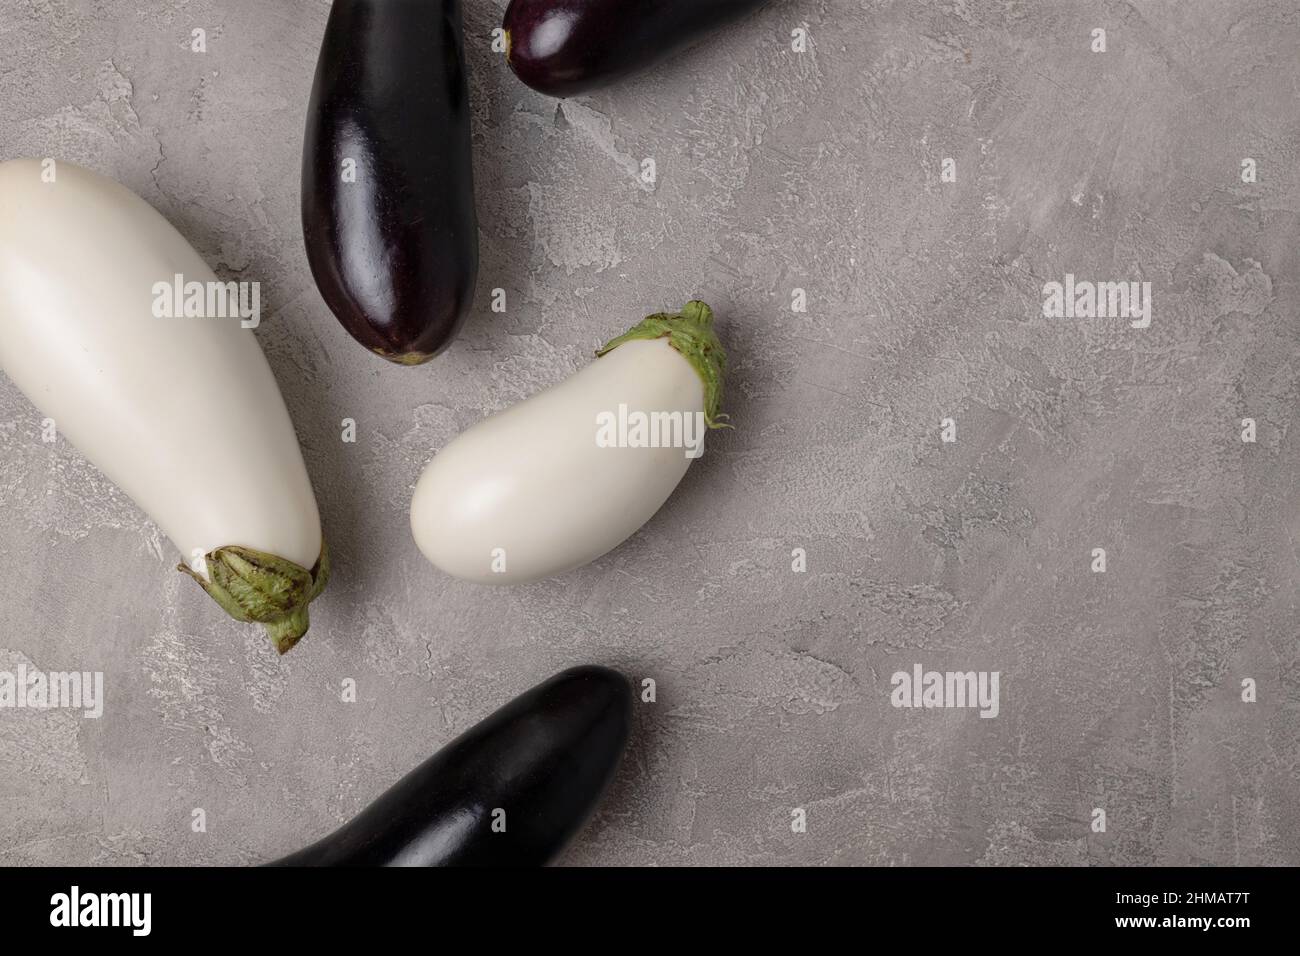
183,414
563,477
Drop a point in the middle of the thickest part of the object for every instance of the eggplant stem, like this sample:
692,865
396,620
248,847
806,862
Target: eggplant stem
690,332
252,585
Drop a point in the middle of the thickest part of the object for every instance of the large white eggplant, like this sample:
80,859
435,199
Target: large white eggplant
117,330
566,475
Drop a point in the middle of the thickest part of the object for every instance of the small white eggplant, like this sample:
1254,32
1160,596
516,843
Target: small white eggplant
562,477
182,413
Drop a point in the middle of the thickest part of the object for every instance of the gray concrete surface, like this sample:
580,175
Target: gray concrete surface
776,171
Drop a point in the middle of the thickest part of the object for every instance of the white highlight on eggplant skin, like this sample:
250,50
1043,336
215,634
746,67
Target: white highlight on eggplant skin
552,32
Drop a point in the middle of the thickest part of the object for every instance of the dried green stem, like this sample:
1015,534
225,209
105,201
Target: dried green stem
255,586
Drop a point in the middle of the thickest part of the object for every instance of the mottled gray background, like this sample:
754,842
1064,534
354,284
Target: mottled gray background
776,170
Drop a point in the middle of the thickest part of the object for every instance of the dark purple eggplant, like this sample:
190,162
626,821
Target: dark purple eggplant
564,47
394,252
544,759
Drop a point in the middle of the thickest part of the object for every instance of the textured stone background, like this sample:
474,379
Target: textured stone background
776,171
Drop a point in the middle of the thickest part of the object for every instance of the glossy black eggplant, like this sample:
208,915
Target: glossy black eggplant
535,768
564,47
387,180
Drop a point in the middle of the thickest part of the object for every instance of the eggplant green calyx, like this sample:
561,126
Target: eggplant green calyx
690,332
269,590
